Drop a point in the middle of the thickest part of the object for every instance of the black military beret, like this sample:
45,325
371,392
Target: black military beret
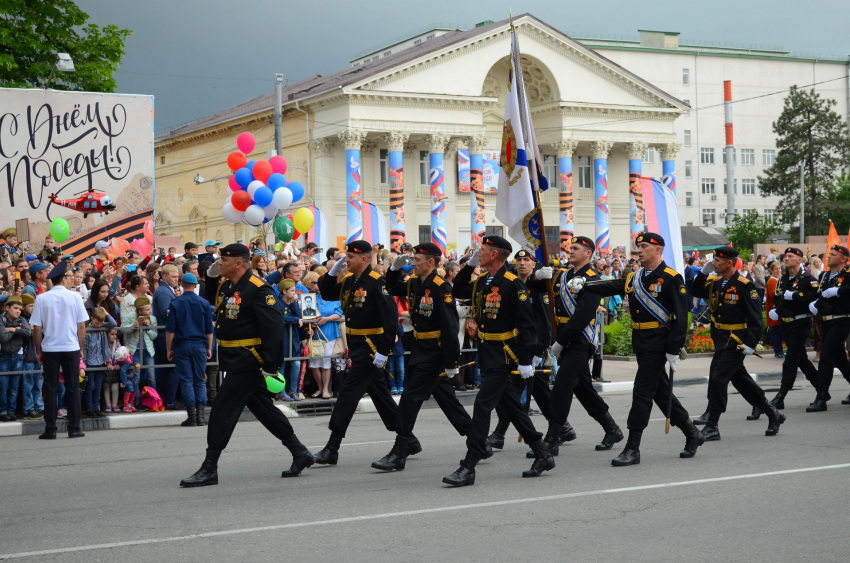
650,238
428,249
359,247
497,242
584,241
840,249
794,250
235,251
525,254
725,252
58,270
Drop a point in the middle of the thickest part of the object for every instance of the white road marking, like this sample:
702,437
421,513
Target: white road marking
438,509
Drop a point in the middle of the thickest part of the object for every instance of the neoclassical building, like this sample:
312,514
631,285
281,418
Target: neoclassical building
395,130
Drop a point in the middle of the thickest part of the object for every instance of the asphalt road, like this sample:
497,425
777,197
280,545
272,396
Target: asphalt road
113,495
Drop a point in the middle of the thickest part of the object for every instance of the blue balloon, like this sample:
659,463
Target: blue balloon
244,177
263,196
251,164
297,189
266,220
276,181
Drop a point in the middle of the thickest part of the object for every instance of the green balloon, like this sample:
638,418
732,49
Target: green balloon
59,230
283,228
275,384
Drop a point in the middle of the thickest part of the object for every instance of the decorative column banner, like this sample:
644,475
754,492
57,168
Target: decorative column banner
600,194
478,226
637,217
395,141
565,190
438,193
668,165
354,209
463,170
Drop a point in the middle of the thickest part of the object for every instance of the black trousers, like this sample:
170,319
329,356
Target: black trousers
238,390
727,366
832,354
574,379
539,391
70,364
498,389
652,384
795,334
419,384
362,378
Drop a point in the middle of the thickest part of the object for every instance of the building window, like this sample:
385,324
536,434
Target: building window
748,187
708,217
770,215
387,53
162,160
550,169
687,111
424,233
494,231
553,238
424,168
383,163
689,199
356,64
748,157
417,42
734,185
690,224
585,173
687,137
688,167
707,185
706,156
768,157
375,58
734,156
649,156
430,37
686,77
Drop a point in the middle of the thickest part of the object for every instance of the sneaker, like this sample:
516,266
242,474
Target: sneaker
779,356
400,390
62,413
32,414
295,396
285,397
393,391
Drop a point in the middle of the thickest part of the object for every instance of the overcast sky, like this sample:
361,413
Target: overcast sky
201,56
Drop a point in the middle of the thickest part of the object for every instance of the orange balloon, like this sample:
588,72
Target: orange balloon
118,247
236,160
262,170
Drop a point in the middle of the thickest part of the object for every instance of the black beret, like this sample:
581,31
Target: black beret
840,249
497,242
359,247
725,252
525,254
428,249
235,251
584,241
794,250
650,238
58,270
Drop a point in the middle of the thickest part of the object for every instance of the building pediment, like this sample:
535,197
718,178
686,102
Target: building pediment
196,213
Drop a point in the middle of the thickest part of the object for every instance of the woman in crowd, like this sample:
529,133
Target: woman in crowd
137,287
259,264
773,328
99,297
325,337
153,273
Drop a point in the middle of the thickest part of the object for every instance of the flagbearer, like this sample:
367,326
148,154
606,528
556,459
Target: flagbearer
736,324
833,308
659,312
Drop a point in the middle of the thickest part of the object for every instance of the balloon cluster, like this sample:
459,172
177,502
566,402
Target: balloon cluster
259,189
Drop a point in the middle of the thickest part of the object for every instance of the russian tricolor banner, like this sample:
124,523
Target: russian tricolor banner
319,232
662,217
375,225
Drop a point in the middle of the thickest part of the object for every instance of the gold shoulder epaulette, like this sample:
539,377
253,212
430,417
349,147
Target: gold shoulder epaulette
257,281
412,277
439,281
590,273
347,275
742,279
671,271
375,275
713,277
509,276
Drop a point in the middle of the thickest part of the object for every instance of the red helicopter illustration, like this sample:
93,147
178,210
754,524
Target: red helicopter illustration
90,202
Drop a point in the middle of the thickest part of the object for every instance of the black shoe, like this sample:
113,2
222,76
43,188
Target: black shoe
693,439
702,419
393,461
630,455
200,415
568,434
47,436
413,446
327,456
543,460
846,400
76,434
613,434
465,474
301,457
172,407
190,421
778,401
755,415
5,418
488,451
818,406
711,433
12,417
207,474
496,441
774,417
90,412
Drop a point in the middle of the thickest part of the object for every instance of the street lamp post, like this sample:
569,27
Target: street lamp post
63,63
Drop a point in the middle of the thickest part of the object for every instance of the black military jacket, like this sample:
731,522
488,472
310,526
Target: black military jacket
735,309
570,328
840,304
805,289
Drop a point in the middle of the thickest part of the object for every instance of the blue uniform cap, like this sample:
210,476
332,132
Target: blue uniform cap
189,278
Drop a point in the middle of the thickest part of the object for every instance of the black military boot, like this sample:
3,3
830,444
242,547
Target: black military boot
301,457
200,415
569,433
497,438
630,455
774,417
693,439
711,433
543,460
613,434
465,474
703,418
819,404
846,400
413,446
190,411
552,440
207,474
329,455
779,400
393,461
755,415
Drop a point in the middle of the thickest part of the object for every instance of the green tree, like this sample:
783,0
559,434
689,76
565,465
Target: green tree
33,31
808,131
747,230
839,207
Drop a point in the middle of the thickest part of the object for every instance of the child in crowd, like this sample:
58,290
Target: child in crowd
15,330
142,349
112,378
291,311
96,354
48,249
33,381
127,369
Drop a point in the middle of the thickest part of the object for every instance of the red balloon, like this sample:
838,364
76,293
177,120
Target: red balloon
262,170
296,234
278,164
231,183
236,160
240,200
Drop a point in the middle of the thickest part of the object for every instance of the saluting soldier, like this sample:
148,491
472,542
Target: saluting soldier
736,325
502,308
833,308
794,291
370,323
659,311
435,348
250,330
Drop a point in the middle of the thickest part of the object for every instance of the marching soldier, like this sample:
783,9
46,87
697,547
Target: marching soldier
794,291
659,312
736,324
833,308
435,348
370,323
502,308
250,328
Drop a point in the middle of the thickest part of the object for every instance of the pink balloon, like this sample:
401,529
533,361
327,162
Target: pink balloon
278,164
148,229
246,142
231,183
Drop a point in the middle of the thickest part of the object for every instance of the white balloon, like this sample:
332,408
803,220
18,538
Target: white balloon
254,215
282,198
252,187
270,211
231,214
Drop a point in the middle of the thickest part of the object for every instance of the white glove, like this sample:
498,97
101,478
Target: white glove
673,360
575,285
544,273
338,267
747,350
557,348
831,292
788,295
400,262
451,372
379,361
535,361
475,260
526,371
774,316
708,268
215,270
813,308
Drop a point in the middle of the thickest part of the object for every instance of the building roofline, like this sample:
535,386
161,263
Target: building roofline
658,31
410,35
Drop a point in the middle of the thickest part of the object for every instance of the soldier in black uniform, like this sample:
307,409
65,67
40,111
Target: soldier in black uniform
659,311
833,308
250,330
794,291
736,325
370,323
502,308
435,348
577,339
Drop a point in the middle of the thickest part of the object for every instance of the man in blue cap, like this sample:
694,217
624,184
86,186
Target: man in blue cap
188,343
211,247
38,277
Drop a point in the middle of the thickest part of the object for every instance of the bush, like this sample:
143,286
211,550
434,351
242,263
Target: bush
618,338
